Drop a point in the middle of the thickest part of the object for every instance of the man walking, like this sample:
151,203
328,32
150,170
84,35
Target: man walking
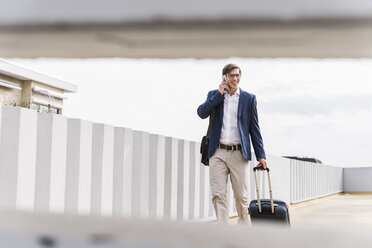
234,125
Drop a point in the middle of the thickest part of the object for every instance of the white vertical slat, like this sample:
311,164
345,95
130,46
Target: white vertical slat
186,176
291,182
160,177
153,175
78,167
140,183
9,156
192,181
168,177
43,161
174,175
302,181
298,181
1,114
98,132
58,164
26,160
202,192
72,165
107,170
198,164
127,199
118,172
145,175
180,178
85,168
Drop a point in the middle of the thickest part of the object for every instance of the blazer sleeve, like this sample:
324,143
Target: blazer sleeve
254,130
214,98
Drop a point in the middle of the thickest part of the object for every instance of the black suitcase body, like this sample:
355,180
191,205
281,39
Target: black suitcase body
267,210
280,216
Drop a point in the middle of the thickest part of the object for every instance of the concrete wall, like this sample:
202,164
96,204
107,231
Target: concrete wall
50,163
358,179
44,11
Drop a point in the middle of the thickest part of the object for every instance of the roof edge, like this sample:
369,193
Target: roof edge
26,74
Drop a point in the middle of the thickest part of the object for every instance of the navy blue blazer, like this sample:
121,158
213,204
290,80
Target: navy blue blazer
247,122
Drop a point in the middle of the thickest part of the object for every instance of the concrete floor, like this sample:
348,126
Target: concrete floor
349,211
330,38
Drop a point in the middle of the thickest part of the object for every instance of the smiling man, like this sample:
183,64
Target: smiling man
234,126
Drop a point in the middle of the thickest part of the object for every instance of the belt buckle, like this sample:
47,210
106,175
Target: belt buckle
233,147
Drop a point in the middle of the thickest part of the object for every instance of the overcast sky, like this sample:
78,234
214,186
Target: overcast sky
318,108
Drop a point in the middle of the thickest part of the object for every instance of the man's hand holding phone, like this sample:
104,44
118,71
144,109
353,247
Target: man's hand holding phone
224,86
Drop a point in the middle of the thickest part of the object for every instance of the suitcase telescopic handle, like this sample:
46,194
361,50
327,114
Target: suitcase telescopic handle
261,168
258,194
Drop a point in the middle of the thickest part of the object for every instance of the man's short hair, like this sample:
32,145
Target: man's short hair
229,67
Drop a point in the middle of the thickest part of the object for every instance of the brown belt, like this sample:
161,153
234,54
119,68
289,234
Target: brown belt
230,148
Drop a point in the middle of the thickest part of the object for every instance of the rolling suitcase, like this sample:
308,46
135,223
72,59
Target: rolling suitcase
267,210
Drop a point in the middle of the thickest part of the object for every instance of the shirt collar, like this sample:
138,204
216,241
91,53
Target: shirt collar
237,92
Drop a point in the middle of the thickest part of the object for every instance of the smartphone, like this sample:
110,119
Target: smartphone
224,78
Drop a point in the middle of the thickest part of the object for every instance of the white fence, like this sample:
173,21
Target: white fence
51,163
311,180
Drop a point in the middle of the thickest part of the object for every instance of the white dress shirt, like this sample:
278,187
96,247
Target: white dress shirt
230,133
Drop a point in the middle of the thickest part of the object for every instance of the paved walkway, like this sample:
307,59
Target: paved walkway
344,210
337,211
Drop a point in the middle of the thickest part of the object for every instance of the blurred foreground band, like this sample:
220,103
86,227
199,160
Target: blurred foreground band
46,230
311,38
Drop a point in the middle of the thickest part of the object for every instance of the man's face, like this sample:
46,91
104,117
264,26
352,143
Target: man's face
233,79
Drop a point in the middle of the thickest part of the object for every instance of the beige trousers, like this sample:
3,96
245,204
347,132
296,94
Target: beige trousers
221,164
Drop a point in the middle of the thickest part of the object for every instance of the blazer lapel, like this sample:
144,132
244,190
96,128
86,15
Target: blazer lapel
221,111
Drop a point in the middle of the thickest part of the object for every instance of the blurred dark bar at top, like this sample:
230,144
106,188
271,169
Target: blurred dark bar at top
174,29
